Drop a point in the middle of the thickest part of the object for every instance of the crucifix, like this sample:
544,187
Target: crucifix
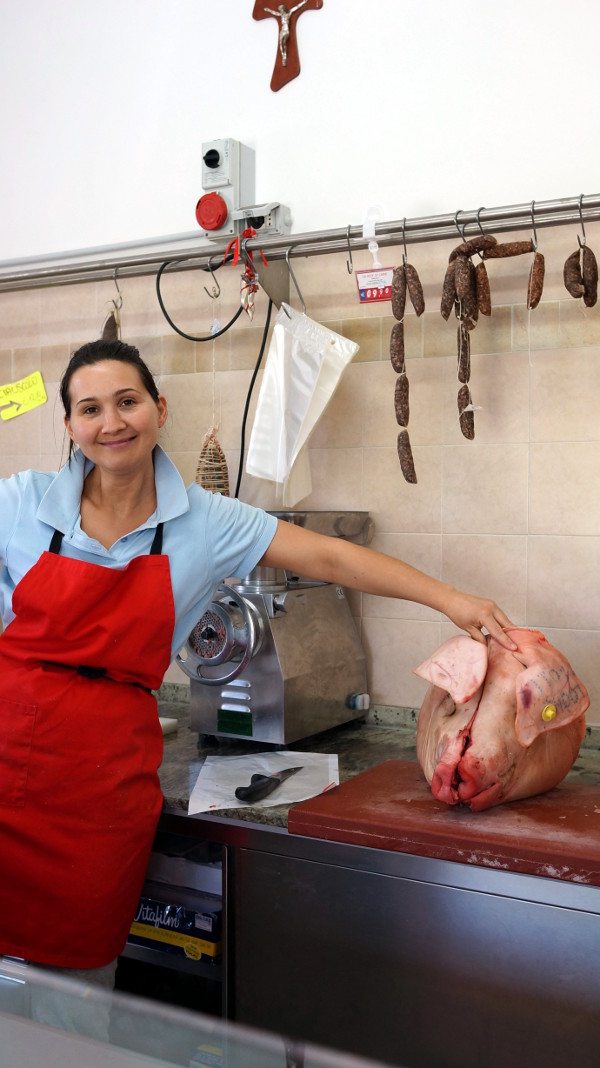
287,61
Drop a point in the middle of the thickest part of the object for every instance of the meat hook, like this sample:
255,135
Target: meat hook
581,243
250,265
405,253
118,304
293,277
349,263
461,232
535,238
483,233
479,211
216,287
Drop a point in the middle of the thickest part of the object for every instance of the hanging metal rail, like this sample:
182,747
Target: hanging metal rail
102,263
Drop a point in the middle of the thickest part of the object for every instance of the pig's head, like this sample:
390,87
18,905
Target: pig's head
498,725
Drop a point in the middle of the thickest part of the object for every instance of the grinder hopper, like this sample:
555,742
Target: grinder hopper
277,657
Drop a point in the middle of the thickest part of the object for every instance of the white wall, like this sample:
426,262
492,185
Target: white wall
427,108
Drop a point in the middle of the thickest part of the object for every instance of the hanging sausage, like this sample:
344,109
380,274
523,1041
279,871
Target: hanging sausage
405,281
580,275
466,289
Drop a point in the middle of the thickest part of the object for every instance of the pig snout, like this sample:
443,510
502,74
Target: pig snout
446,782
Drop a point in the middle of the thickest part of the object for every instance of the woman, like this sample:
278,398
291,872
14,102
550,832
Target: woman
107,566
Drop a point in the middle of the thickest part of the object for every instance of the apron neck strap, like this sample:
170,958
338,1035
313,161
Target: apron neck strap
56,542
155,548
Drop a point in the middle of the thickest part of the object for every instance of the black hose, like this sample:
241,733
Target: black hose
249,395
189,337
211,337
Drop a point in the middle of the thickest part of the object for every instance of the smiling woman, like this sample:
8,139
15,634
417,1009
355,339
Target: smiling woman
96,353
105,568
95,616
112,416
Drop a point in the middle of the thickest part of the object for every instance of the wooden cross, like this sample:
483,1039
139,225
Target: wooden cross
287,62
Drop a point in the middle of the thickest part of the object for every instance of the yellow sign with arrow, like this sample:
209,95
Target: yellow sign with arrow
16,398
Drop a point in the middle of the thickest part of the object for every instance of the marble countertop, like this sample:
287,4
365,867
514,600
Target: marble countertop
359,746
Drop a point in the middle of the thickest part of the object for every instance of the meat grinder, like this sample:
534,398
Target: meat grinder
277,657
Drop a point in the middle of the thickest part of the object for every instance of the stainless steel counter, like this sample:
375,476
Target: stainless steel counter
355,947
359,746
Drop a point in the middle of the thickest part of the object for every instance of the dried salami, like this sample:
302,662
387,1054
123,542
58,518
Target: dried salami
397,347
589,273
572,276
470,307
415,289
405,456
463,344
474,244
401,400
466,418
536,281
482,286
448,292
509,248
462,278
399,292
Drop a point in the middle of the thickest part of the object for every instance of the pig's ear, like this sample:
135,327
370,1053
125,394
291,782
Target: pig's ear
459,666
549,694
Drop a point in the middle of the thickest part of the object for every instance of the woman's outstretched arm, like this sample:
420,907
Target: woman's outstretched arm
360,568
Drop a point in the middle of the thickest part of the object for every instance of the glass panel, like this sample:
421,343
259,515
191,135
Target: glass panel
46,1018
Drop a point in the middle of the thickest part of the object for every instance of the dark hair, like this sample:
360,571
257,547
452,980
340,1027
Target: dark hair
96,352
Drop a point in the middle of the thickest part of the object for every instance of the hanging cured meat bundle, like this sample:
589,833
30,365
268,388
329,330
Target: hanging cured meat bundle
466,289
536,281
405,281
580,275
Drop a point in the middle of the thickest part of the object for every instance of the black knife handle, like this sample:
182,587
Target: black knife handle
260,786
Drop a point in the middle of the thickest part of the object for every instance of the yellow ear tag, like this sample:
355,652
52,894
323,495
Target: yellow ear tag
548,713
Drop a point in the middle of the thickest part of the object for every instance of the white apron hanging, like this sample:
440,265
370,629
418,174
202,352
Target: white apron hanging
304,365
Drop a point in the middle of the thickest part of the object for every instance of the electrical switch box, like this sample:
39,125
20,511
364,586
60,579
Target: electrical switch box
228,178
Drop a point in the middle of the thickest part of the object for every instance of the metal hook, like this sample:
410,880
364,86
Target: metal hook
581,243
349,263
293,276
250,265
405,253
479,210
216,293
535,238
118,305
461,232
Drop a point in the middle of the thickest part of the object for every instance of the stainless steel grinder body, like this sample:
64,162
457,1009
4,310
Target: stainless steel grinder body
278,658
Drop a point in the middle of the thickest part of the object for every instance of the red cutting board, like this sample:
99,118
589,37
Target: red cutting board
556,835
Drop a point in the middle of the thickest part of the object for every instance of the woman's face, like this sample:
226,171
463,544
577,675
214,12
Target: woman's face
114,420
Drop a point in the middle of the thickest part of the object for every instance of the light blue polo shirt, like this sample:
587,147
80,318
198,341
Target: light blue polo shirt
207,537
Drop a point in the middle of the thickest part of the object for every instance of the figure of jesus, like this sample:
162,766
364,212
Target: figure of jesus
284,33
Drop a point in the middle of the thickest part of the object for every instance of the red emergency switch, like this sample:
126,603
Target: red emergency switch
211,211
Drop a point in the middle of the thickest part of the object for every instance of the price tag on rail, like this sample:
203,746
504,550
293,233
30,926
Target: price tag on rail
375,284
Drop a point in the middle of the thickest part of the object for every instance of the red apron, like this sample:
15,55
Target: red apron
80,747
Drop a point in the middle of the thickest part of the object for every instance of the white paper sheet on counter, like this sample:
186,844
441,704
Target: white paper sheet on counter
220,776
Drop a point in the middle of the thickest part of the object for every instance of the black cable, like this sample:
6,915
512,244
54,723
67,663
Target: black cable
211,337
181,333
249,395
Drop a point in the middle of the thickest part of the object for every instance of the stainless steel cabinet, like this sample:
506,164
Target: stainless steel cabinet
411,961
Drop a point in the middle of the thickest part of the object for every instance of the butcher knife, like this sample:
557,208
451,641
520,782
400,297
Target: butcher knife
263,785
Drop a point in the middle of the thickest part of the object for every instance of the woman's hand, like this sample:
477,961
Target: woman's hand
472,614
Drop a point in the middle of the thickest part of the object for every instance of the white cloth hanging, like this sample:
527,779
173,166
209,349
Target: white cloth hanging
303,368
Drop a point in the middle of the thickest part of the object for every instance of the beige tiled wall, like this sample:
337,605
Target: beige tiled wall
514,514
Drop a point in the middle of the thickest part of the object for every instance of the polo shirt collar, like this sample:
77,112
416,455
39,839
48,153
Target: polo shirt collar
60,505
